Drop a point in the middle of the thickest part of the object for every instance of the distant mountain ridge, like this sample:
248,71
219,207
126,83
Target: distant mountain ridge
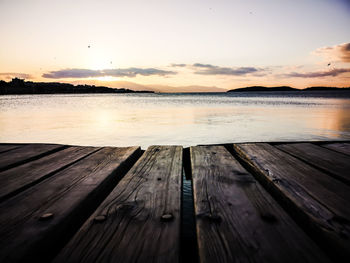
262,88
326,88
19,86
152,87
284,88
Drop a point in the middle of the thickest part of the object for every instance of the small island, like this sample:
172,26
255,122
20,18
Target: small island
18,86
262,88
286,88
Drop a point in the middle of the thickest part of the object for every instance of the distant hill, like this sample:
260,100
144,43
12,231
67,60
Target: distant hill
117,84
262,88
19,86
318,88
151,87
283,88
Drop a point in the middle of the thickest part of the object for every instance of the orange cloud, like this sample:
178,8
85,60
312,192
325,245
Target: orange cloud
336,53
317,74
208,69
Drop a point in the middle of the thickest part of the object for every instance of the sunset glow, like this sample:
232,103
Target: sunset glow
178,44
107,78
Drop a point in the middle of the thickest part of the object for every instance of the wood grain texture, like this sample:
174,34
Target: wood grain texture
8,147
318,201
338,147
17,179
128,225
26,153
333,163
29,233
237,220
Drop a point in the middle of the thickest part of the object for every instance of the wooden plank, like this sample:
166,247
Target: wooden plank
26,153
37,222
17,179
319,202
8,147
338,147
237,220
140,220
336,164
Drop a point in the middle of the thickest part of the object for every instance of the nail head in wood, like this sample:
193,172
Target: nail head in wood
167,217
46,216
99,219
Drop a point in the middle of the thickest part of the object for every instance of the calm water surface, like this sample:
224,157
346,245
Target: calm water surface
184,119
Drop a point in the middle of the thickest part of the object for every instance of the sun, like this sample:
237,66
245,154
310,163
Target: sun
98,60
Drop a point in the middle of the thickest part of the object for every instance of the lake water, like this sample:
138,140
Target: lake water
182,119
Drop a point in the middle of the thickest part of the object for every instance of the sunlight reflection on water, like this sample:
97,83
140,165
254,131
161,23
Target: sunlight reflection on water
184,119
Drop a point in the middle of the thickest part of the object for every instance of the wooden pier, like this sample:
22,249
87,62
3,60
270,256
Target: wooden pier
252,202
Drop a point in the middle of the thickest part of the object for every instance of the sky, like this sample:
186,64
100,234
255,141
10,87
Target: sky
193,45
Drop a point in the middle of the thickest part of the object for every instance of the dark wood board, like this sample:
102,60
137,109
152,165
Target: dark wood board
140,220
8,147
338,147
17,179
333,163
37,222
237,220
317,201
26,153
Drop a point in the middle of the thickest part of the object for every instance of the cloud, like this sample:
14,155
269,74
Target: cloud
317,74
178,65
200,65
72,73
132,72
86,73
336,53
208,69
11,75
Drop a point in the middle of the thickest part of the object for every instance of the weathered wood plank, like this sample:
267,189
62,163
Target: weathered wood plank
336,164
319,202
38,221
237,220
17,179
140,220
8,147
338,147
26,153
